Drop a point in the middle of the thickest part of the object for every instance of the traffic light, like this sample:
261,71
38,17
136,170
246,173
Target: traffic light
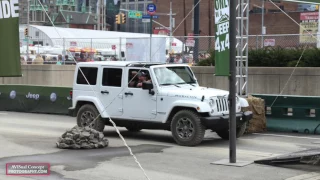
118,19
26,32
123,18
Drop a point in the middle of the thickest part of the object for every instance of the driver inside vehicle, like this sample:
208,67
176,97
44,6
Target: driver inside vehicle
143,77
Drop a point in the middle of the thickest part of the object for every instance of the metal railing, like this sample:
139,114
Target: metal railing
121,48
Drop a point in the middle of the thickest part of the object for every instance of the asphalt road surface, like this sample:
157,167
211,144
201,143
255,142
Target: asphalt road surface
31,138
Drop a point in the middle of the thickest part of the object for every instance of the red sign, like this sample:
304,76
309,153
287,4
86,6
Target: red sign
269,42
113,47
162,31
174,44
73,43
190,36
190,43
129,45
309,16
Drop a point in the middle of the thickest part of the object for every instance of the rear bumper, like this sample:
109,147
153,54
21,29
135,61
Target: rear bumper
222,122
72,112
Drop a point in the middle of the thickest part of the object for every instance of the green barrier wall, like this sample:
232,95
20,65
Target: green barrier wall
35,99
292,113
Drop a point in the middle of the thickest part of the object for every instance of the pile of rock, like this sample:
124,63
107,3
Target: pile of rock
82,138
258,123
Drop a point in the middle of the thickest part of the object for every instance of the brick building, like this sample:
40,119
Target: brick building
206,16
275,21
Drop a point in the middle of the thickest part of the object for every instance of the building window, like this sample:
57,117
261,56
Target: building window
141,7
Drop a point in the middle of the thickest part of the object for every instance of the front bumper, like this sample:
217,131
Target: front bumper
222,122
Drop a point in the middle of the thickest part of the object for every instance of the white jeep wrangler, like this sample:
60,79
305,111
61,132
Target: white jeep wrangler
142,95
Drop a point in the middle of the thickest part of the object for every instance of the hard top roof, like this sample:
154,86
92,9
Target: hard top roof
120,63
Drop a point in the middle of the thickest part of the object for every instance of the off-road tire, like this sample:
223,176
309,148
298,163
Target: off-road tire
224,134
199,130
99,123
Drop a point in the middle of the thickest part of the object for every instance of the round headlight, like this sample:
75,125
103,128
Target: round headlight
211,102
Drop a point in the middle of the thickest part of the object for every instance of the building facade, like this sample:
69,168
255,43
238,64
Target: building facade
135,25
38,14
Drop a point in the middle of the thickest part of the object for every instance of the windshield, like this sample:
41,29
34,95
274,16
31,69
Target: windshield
174,75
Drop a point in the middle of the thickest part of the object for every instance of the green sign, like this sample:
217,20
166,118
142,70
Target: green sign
222,45
10,65
135,14
35,99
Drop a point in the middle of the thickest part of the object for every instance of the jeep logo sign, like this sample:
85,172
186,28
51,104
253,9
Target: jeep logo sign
32,96
13,94
53,97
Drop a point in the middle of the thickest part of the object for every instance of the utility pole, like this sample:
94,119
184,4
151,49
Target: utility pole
196,31
210,23
171,24
151,31
185,24
318,37
28,25
262,23
232,82
98,15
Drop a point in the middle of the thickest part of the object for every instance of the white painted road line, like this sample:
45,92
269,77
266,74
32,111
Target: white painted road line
309,176
288,136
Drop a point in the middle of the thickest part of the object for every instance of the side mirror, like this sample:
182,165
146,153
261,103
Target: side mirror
147,85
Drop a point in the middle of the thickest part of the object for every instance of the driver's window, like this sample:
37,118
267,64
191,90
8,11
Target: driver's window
137,76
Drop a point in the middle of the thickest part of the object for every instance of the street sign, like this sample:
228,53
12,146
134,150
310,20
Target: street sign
151,9
113,47
135,14
146,16
145,20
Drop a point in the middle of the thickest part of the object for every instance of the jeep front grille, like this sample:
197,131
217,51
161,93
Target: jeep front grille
222,104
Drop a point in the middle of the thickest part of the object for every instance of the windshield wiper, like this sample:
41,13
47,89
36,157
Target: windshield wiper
168,84
187,83
192,84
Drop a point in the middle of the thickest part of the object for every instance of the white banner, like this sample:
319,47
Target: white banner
138,49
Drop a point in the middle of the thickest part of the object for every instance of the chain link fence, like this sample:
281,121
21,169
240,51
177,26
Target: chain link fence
127,48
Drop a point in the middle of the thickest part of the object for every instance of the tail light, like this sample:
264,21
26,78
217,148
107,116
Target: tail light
70,93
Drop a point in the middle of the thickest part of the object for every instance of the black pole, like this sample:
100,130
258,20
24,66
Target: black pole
210,24
232,82
151,23
196,31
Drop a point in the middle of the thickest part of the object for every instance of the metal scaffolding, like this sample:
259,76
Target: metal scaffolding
242,47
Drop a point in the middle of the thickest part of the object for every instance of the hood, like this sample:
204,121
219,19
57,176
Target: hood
188,91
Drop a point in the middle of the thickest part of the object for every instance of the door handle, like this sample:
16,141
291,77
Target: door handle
104,92
128,93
